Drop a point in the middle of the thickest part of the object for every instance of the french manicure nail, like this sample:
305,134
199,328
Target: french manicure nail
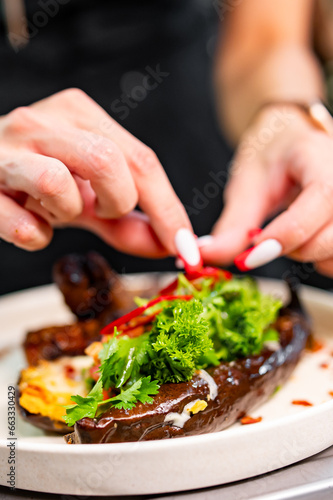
188,249
259,255
205,240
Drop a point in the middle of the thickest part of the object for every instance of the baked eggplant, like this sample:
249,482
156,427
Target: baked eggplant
212,400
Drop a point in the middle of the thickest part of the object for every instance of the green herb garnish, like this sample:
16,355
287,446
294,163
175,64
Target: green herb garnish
225,320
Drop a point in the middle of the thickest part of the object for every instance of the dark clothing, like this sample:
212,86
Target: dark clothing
149,65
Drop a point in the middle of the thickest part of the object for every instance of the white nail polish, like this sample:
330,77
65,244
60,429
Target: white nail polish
205,240
179,263
263,253
187,246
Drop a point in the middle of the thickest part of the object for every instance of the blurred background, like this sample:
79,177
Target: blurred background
106,48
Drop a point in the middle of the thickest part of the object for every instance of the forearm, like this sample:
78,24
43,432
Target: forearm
252,68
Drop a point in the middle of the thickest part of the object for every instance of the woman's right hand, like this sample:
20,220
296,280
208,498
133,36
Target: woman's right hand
65,161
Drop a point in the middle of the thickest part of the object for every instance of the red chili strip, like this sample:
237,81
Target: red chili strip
139,321
123,320
301,402
249,420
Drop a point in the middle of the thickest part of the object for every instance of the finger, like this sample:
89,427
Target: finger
131,234
102,163
88,155
45,179
21,227
325,267
310,212
156,196
248,201
317,248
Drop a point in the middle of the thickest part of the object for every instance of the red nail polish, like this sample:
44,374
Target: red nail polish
188,267
254,232
241,258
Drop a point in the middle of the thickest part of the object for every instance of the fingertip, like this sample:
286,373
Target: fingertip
188,250
31,233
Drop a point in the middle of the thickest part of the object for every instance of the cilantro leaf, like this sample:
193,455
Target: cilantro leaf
141,390
84,407
147,389
124,361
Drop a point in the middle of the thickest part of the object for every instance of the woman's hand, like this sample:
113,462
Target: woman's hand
282,163
65,161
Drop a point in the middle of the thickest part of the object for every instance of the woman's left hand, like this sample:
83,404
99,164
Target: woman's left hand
282,163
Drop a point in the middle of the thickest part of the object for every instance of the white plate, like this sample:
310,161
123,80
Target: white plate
287,433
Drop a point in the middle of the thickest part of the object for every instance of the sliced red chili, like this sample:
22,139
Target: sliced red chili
139,321
250,420
124,320
301,402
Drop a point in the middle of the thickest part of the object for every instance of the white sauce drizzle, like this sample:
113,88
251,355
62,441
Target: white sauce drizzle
179,419
211,384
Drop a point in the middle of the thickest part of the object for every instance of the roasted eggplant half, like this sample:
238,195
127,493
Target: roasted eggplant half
200,355
211,401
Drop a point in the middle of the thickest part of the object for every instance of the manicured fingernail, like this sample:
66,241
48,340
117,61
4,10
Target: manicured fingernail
179,263
259,255
254,232
188,249
205,240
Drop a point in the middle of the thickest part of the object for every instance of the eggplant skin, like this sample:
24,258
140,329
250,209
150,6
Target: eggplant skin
241,385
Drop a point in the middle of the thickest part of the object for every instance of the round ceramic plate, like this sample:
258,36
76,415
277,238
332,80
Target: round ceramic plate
286,434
